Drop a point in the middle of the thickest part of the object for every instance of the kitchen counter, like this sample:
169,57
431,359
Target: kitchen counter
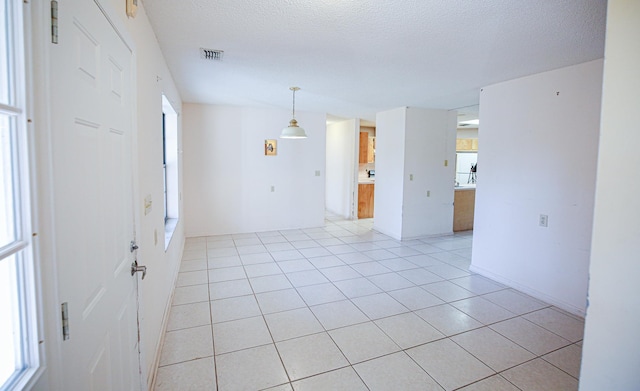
365,200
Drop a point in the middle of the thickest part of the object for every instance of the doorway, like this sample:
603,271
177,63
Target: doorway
366,171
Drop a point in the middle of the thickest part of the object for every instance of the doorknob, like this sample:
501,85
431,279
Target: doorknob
135,268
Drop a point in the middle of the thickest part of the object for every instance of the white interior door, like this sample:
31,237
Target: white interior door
92,180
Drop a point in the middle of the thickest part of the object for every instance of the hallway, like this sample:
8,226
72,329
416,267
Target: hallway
343,307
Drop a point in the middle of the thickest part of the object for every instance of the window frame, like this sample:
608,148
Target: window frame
26,276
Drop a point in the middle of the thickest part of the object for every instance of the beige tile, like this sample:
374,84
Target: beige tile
420,276
295,265
357,287
241,334
568,359
450,365
190,294
362,342
515,301
390,281
262,269
282,387
225,289
423,260
234,308
415,298
395,372
379,305
339,273
478,284
195,375
251,369
292,324
192,278
397,264
447,271
227,274
270,283
447,291
188,315
539,375
408,330
326,261
340,379
566,326
189,255
338,314
307,277
253,249
186,344
190,266
493,349
220,243
320,294
310,355
221,252
493,383
483,310
448,320
222,262
276,301
286,255
530,336
256,258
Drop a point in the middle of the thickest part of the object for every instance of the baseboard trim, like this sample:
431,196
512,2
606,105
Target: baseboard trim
580,312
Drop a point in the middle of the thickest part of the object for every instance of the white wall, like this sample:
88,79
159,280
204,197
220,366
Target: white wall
467,133
341,166
228,179
414,142
539,152
387,209
611,350
430,140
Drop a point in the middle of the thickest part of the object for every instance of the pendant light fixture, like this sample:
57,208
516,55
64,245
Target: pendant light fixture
293,130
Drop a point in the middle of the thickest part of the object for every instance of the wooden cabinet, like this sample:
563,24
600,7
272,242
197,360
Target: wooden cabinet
364,148
467,144
365,201
463,209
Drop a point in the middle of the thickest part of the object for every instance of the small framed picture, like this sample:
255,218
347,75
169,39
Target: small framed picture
270,147
132,8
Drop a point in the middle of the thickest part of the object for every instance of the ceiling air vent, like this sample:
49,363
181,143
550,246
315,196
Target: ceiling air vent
211,54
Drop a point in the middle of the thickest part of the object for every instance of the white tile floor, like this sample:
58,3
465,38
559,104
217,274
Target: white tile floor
345,308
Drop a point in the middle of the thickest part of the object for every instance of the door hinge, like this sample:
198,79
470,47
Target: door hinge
54,21
65,321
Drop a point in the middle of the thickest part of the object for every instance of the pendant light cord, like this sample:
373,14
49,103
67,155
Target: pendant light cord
293,113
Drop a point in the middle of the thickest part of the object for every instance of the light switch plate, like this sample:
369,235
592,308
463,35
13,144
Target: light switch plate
148,203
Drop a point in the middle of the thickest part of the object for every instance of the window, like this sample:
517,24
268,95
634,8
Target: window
18,331
170,168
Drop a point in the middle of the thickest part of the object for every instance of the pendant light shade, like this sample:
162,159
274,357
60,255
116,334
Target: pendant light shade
293,130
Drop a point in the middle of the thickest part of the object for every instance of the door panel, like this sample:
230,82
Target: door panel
91,77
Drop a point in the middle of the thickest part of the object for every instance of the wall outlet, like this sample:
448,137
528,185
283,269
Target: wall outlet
273,188
155,237
428,193
410,177
317,172
544,221
446,163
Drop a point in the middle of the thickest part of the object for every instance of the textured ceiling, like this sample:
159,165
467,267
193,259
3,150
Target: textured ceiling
353,58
